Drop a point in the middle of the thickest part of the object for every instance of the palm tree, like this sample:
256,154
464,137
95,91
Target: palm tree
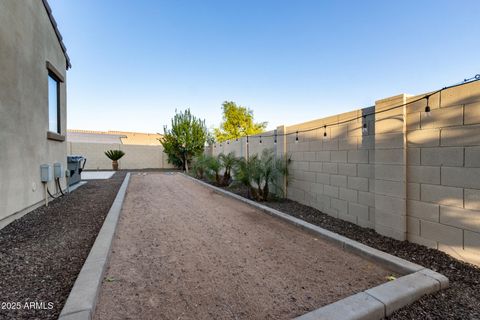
114,155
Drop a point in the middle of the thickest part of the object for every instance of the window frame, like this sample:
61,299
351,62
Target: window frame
53,73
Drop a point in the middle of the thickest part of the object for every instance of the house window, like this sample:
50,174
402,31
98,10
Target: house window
53,104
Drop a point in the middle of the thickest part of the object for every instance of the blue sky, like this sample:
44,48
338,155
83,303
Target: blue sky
135,62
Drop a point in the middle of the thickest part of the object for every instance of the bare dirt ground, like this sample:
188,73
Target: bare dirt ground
184,252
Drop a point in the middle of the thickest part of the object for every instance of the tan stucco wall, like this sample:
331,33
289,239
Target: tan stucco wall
27,42
136,156
409,177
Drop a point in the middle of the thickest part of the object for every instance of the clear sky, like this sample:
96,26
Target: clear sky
135,62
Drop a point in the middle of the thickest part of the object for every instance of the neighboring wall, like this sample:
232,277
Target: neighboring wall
410,176
136,156
27,42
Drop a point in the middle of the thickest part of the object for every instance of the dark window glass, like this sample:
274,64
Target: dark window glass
53,105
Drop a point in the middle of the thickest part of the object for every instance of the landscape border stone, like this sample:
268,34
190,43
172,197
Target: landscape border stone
81,302
373,303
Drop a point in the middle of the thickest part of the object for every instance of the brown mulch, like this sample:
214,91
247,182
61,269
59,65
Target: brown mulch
42,253
460,301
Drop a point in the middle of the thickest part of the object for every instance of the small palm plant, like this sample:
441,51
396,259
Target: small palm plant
114,155
259,173
214,167
228,162
200,166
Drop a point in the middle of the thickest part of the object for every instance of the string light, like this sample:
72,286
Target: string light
475,78
427,107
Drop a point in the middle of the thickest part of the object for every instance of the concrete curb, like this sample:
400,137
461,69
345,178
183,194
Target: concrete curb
374,303
81,302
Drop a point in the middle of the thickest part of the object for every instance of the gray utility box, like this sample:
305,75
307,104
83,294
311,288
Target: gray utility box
75,165
45,173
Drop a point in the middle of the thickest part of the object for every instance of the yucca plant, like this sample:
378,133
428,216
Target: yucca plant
114,155
228,162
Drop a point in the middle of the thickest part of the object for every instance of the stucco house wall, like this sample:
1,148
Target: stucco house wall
28,43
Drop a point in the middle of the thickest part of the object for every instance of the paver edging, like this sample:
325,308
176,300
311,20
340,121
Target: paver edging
81,301
393,295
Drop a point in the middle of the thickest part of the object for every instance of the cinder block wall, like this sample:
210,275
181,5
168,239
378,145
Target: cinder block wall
136,156
443,206
411,176
334,173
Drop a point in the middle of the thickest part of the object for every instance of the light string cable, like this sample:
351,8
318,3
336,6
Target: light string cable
325,126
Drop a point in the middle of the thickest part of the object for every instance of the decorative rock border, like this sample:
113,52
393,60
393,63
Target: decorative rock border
81,302
374,303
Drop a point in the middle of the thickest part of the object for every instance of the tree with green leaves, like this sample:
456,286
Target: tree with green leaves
185,140
237,122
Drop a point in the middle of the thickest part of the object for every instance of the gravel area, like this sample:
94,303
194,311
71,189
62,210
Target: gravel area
460,301
182,251
42,253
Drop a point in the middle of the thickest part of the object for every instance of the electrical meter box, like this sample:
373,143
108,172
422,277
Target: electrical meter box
57,170
45,173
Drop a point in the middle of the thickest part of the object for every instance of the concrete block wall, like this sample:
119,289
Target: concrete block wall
410,176
389,177
241,148
136,156
443,168
333,173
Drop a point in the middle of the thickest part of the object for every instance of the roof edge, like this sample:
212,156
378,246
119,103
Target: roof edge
57,32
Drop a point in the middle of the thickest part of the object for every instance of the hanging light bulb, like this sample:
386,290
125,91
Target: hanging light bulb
324,132
296,137
427,108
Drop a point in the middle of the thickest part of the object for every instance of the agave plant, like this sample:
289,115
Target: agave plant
228,162
114,155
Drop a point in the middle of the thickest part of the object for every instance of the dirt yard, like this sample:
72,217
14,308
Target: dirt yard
184,252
